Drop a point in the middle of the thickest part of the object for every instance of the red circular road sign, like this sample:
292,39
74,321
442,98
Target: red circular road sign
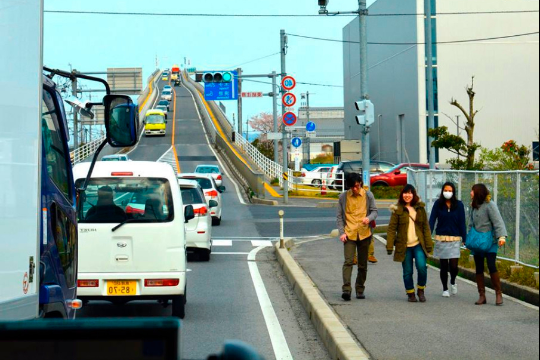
289,119
288,83
289,99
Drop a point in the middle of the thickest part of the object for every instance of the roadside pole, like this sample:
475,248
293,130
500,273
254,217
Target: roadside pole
283,111
275,114
430,89
366,150
308,139
75,115
240,123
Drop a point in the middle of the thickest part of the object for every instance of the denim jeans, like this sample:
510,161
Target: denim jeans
417,255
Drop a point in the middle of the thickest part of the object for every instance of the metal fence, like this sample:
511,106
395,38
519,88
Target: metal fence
516,193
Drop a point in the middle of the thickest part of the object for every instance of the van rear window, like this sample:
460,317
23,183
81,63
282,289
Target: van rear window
115,200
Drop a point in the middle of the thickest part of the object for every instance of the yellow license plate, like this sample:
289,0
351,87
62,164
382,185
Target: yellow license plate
121,288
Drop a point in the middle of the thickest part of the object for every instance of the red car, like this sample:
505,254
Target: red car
397,176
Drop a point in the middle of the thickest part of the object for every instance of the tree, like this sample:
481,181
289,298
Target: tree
456,144
510,156
264,123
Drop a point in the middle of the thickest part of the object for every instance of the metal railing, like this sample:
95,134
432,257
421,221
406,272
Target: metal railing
516,194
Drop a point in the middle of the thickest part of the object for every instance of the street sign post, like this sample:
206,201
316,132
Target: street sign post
296,142
288,83
222,91
289,119
289,99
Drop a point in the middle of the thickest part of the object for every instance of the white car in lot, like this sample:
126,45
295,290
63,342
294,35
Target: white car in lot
316,176
127,252
211,192
211,170
199,229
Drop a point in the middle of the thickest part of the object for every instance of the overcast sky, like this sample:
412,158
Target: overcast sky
96,42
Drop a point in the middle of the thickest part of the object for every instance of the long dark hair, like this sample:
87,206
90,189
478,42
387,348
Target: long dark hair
409,189
481,194
454,200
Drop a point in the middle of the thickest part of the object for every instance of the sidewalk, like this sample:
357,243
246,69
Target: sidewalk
389,327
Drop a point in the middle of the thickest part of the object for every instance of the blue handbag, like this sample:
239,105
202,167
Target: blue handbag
479,242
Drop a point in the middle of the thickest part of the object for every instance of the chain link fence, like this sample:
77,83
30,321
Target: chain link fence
516,193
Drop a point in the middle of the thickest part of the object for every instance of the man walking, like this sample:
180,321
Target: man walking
356,210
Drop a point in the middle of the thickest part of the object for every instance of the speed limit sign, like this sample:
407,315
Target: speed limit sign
288,83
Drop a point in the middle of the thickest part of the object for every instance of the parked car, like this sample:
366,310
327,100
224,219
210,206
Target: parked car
211,170
164,103
116,157
397,176
127,256
347,167
315,176
198,230
211,192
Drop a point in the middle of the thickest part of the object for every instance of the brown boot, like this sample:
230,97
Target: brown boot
412,297
496,283
422,295
481,289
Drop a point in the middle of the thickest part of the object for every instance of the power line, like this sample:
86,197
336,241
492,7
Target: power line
416,43
298,82
279,15
252,61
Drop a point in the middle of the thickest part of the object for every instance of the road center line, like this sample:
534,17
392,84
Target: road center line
277,337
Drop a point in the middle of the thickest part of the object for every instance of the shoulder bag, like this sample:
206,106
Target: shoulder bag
479,241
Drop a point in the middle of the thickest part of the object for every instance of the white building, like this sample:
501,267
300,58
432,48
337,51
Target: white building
506,73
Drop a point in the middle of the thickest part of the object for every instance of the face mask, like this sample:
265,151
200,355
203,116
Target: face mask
448,195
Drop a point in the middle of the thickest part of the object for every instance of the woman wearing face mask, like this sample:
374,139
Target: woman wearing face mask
410,234
447,221
485,218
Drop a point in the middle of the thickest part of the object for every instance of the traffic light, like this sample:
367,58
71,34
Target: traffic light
368,110
217,77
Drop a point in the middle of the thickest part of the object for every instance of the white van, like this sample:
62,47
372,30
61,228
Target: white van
132,235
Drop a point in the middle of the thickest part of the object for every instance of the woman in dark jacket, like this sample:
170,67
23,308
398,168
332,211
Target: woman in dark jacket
448,222
485,217
409,232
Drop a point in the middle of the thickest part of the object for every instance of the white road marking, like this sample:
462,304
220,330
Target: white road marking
221,243
263,243
489,290
230,253
238,192
277,337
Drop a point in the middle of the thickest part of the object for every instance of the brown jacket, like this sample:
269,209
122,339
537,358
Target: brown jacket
399,227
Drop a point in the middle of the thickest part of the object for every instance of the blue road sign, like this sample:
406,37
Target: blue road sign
222,91
296,142
311,126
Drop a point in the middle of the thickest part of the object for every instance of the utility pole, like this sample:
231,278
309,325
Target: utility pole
308,139
458,133
75,115
275,114
366,154
430,90
284,138
240,130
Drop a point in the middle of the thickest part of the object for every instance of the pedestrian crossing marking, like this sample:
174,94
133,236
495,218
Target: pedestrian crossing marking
229,243
259,243
222,243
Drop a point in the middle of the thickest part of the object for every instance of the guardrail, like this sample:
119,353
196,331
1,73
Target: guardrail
220,134
515,192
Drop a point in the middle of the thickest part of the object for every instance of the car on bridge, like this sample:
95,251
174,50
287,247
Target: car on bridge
164,109
198,230
155,123
211,192
167,95
165,103
211,170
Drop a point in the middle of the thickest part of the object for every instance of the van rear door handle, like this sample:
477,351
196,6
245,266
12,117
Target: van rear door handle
122,258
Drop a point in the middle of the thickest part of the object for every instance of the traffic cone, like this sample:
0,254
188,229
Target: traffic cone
323,189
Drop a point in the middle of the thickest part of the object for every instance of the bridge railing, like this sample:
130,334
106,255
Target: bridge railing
516,194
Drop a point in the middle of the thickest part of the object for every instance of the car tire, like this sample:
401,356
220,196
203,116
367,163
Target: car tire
179,306
216,221
205,255
316,182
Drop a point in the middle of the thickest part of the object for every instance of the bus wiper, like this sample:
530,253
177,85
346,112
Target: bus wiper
131,221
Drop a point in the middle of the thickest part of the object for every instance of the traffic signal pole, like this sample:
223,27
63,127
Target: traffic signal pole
429,78
275,113
284,139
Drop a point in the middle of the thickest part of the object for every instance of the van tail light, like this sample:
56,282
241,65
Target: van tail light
122,174
201,212
132,210
161,282
213,194
220,177
88,283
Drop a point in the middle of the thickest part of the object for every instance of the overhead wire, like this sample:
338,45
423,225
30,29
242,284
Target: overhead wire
252,61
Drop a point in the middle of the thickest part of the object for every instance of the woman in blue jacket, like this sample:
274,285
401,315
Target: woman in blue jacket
447,221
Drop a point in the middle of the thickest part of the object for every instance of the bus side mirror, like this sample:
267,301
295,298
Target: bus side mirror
121,120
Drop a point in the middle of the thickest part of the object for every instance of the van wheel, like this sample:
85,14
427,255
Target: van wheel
205,255
179,306
216,221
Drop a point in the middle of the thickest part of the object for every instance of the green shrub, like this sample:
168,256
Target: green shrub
386,192
274,182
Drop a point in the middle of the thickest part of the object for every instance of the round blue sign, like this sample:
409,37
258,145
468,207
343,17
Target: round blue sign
296,142
289,119
311,126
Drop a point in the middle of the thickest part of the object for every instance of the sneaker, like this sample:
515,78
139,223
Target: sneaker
346,296
454,289
360,296
446,294
372,259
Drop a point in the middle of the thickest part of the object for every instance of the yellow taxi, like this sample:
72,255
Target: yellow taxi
155,123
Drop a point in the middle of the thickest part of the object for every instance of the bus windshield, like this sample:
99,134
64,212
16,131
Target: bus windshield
155,119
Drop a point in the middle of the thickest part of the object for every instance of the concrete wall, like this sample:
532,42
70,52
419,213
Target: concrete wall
393,81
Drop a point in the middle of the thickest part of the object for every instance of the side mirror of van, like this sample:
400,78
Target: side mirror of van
189,213
213,204
121,118
222,189
398,172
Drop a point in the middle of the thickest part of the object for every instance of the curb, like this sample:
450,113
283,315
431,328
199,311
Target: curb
338,341
327,205
258,201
